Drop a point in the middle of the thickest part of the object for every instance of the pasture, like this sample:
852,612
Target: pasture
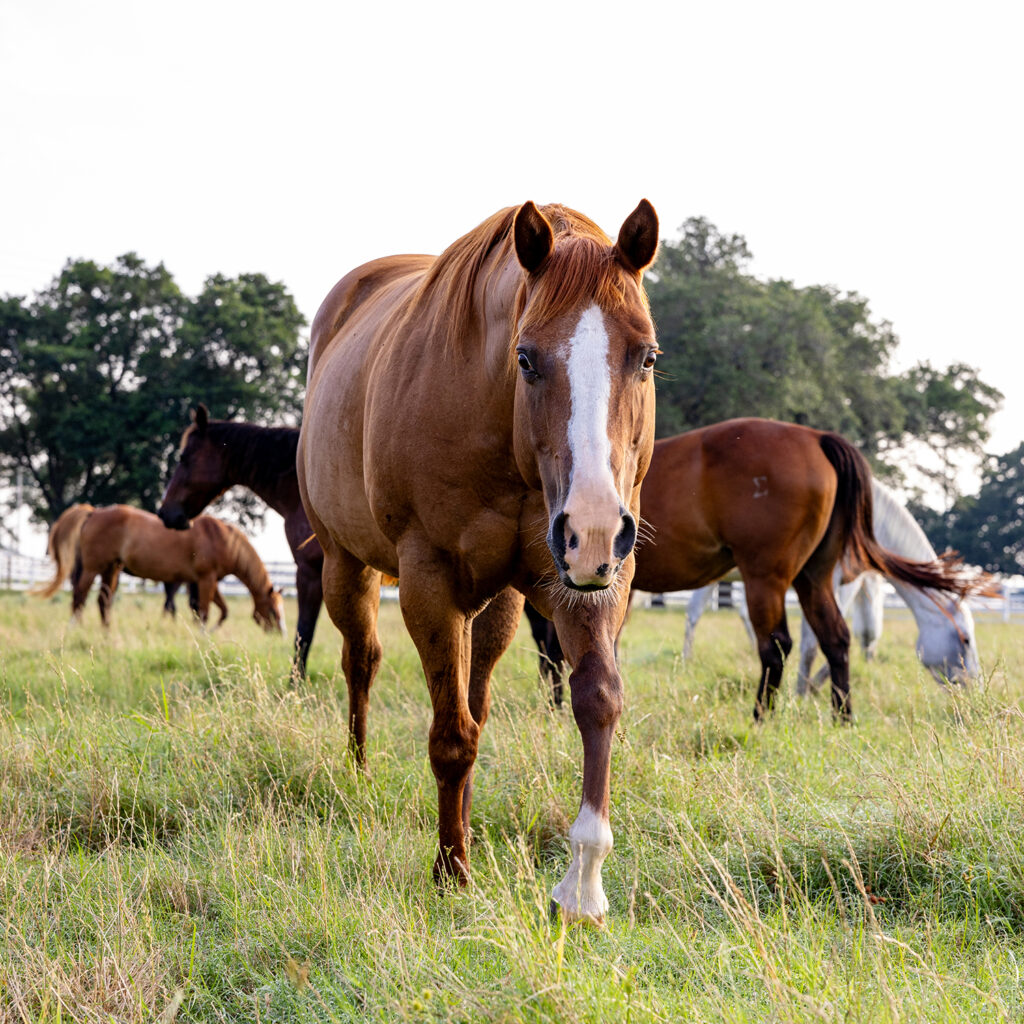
185,837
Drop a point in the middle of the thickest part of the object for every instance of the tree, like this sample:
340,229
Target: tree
737,346
98,372
987,528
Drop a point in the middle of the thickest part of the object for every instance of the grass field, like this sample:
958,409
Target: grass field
184,837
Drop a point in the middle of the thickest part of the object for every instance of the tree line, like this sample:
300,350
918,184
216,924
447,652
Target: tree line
99,371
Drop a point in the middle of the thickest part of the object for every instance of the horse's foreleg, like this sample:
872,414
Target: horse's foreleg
808,652
492,632
695,608
222,607
170,589
819,604
351,592
309,584
766,602
108,588
442,634
588,638
206,587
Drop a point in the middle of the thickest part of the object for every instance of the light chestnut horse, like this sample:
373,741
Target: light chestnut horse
119,537
62,544
477,422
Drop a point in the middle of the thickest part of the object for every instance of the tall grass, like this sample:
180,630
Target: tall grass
183,836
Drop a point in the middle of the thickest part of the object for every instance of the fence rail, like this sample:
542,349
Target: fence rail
19,572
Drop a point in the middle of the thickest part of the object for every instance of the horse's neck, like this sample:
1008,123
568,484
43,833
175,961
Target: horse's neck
896,529
272,479
247,565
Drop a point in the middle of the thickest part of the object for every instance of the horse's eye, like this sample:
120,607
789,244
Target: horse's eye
525,365
651,359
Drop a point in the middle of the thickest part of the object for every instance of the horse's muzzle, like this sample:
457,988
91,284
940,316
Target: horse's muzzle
173,517
589,563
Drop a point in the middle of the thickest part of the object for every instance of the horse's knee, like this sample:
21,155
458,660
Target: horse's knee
452,748
597,692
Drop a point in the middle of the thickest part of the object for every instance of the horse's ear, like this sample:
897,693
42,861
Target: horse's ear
201,416
638,238
533,236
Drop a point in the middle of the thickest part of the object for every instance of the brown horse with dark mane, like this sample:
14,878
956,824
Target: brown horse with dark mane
86,542
477,422
783,504
217,454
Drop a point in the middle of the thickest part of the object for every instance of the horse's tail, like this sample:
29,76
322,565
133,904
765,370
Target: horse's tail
861,551
61,546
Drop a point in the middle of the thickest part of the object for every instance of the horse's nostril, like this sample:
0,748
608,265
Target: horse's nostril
626,537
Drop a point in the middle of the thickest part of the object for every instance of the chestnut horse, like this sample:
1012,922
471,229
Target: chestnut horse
85,542
476,422
217,454
784,504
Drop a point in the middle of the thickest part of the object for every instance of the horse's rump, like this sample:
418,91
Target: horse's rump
61,545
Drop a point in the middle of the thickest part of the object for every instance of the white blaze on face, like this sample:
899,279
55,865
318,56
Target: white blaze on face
593,508
581,893
590,393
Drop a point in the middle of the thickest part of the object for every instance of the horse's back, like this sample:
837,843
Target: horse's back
355,295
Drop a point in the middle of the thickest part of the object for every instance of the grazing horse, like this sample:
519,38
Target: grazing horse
117,537
783,504
217,454
476,422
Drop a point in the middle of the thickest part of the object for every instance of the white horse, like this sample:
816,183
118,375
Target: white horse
945,642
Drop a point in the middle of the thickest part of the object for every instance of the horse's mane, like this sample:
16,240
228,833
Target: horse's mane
896,528
243,560
581,266
257,457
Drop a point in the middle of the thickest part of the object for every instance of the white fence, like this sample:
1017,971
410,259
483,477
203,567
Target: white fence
19,572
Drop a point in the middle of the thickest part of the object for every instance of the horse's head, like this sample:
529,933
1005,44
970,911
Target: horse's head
269,611
584,407
946,644
198,478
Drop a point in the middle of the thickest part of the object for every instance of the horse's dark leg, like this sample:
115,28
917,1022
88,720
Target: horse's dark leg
819,604
545,636
766,602
170,589
588,637
81,583
108,587
492,632
352,595
309,584
193,598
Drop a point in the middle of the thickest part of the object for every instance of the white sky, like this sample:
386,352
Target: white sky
875,146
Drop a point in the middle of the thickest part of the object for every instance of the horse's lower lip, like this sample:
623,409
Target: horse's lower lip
585,588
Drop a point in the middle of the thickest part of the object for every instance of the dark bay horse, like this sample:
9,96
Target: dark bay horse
784,504
86,542
477,422
217,454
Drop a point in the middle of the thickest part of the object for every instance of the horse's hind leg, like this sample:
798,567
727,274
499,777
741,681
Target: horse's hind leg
108,588
81,585
819,604
170,589
766,602
352,596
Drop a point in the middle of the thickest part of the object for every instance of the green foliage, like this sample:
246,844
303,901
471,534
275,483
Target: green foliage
987,528
98,373
737,346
